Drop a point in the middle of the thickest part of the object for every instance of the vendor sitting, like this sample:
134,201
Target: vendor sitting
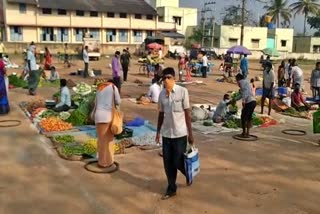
65,100
297,100
54,75
221,112
153,94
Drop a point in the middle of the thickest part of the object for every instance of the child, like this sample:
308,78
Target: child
253,87
54,75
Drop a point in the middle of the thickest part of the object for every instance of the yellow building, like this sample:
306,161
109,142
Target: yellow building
170,12
306,44
67,21
280,39
225,36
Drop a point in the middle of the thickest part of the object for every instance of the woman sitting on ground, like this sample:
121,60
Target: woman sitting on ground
65,100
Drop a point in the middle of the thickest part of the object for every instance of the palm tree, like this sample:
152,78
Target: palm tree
305,7
278,9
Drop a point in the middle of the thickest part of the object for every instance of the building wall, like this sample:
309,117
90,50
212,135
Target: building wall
33,22
255,38
189,16
315,45
302,44
283,38
164,3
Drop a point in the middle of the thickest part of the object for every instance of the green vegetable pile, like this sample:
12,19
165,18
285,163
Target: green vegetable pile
256,121
48,113
232,124
89,149
46,83
64,115
73,149
77,118
17,82
207,123
64,139
291,111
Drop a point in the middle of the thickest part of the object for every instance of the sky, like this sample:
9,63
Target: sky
253,5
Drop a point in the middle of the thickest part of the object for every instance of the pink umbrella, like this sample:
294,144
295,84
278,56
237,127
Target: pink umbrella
154,46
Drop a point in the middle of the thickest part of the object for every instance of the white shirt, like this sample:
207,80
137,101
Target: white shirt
297,75
221,110
205,61
54,75
85,56
154,92
174,123
160,54
32,59
268,78
104,101
65,97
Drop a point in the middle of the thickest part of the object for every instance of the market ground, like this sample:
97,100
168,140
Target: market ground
276,174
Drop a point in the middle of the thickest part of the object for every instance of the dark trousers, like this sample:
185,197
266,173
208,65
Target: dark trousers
117,82
125,69
173,150
204,71
86,72
62,108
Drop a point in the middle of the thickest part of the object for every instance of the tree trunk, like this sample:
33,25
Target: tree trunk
242,21
305,23
278,20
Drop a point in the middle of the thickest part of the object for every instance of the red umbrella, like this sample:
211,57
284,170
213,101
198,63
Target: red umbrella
154,46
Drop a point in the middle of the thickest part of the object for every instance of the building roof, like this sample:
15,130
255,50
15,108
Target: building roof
117,6
173,35
34,2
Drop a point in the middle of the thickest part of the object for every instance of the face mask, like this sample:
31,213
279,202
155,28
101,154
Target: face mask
168,84
227,100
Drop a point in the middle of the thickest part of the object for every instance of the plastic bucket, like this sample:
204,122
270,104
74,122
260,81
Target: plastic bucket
271,26
268,19
259,92
282,91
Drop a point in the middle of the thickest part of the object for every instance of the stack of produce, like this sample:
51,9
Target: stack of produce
82,89
54,124
45,83
34,104
91,146
64,139
77,99
17,82
64,116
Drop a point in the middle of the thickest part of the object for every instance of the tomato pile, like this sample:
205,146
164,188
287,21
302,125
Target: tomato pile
54,124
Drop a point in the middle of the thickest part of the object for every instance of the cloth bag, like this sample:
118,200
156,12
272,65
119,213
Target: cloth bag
192,164
117,118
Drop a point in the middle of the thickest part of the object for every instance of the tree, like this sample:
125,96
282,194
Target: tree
197,35
305,7
232,16
278,10
314,23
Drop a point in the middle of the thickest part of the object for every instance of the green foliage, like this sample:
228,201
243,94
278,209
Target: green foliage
314,23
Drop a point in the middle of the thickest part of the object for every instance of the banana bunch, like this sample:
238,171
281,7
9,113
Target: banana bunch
91,146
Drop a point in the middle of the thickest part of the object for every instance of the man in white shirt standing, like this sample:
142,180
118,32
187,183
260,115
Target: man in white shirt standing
297,74
86,61
33,79
268,84
204,67
65,100
174,124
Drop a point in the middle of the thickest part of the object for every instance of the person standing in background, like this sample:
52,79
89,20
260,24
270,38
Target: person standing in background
4,100
33,79
125,61
296,74
48,59
160,53
268,84
66,55
116,70
315,81
287,75
244,66
204,67
281,74
86,61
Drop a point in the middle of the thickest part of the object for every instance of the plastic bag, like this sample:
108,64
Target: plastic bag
192,164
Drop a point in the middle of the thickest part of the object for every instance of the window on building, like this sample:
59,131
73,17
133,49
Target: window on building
111,35
123,35
255,43
79,13
150,33
94,14
95,33
160,19
80,32
62,34
46,11
137,16
137,35
123,15
110,15
283,43
233,42
62,12
23,8
16,34
47,34
177,20
316,49
150,17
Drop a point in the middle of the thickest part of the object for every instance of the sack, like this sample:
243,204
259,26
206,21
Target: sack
117,117
192,164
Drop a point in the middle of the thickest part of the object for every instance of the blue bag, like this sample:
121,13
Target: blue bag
192,164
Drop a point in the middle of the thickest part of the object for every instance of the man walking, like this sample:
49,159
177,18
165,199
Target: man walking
174,124
268,84
33,79
244,66
204,67
86,61
125,61
116,70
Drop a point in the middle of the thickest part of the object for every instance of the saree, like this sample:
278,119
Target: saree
33,80
4,102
